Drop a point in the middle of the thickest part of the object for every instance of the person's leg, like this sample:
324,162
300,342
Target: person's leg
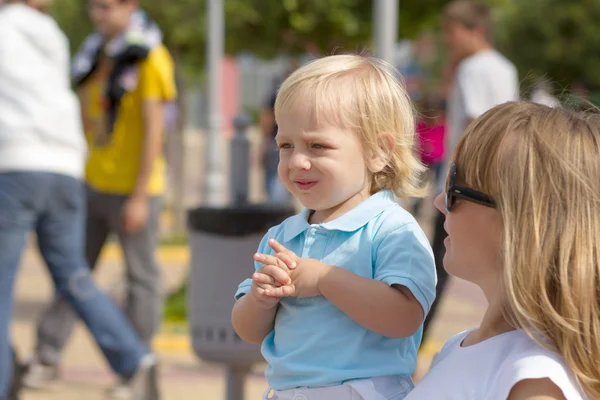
61,239
143,304
57,320
439,250
279,193
19,198
271,175
18,371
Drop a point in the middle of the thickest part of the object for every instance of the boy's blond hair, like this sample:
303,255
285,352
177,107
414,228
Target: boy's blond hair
366,96
471,15
542,166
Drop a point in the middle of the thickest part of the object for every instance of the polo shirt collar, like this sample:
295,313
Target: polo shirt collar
351,221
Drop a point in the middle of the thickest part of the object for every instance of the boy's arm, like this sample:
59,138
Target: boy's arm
253,315
153,120
136,210
157,86
395,302
251,321
391,311
392,304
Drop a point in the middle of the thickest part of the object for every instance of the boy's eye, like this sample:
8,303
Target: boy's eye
318,146
284,146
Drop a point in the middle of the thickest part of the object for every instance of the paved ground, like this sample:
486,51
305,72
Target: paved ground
183,376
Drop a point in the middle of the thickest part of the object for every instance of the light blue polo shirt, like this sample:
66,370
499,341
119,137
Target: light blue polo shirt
314,344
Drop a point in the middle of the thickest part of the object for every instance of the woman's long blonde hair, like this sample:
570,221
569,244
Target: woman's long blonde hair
542,165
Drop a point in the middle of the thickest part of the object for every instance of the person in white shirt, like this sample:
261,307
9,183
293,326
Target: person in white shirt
481,78
521,207
542,93
42,156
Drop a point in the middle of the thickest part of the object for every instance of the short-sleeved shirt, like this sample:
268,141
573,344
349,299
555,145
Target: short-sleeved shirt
114,161
490,369
483,81
314,344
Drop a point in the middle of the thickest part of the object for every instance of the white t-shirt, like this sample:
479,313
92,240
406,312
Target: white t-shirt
482,81
489,369
40,116
541,96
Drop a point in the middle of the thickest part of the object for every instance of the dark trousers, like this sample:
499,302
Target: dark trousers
439,250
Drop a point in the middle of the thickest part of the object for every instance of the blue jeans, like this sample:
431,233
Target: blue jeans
55,207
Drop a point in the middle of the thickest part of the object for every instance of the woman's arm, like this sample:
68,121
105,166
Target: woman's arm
536,389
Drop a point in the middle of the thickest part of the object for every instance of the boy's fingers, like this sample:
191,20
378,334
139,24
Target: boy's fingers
278,274
279,248
289,262
267,259
281,260
263,291
263,278
275,245
283,291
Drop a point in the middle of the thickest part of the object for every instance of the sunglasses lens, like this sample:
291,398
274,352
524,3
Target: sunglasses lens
449,201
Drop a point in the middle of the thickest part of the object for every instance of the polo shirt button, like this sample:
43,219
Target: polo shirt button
300,397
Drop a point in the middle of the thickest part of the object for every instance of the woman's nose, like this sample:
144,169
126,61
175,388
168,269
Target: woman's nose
440,202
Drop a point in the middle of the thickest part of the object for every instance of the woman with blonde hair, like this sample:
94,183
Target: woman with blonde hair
522,207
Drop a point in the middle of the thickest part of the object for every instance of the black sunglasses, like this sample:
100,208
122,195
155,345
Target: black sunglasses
455,191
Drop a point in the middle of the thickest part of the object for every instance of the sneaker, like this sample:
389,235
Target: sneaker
144,384
17,379
40,376
120,391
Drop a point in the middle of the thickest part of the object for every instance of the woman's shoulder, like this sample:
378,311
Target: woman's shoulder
453,342
523,358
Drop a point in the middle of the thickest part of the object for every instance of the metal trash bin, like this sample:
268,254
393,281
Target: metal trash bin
223,241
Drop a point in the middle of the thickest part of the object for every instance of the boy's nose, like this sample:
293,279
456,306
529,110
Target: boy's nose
299,161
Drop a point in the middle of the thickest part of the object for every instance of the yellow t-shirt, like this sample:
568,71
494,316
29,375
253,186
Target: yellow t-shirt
114,158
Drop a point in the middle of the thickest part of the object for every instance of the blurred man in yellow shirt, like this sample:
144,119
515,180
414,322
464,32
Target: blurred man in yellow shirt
125,78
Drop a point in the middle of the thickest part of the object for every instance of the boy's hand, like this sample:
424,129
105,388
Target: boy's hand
263,286
274,276
304,274
276,269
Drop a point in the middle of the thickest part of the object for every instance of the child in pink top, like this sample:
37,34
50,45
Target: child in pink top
431,128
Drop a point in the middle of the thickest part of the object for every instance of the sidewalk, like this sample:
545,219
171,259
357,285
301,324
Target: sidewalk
183,376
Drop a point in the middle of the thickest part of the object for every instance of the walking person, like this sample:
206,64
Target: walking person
125,78
42,156
481,79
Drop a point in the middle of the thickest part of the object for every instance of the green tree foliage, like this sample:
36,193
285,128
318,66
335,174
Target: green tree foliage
266,28
71,15
554,38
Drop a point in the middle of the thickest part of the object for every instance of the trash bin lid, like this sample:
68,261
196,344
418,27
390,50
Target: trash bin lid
239,220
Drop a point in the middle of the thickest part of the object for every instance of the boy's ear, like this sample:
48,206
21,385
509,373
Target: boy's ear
378,160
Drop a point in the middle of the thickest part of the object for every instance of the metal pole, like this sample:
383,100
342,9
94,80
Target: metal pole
239,161
214,179
385,25
236,377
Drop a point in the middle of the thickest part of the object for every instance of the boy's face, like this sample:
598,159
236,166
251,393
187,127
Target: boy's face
324,167
459,39
111,17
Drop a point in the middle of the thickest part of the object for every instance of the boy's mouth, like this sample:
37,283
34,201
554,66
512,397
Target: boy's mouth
304,184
